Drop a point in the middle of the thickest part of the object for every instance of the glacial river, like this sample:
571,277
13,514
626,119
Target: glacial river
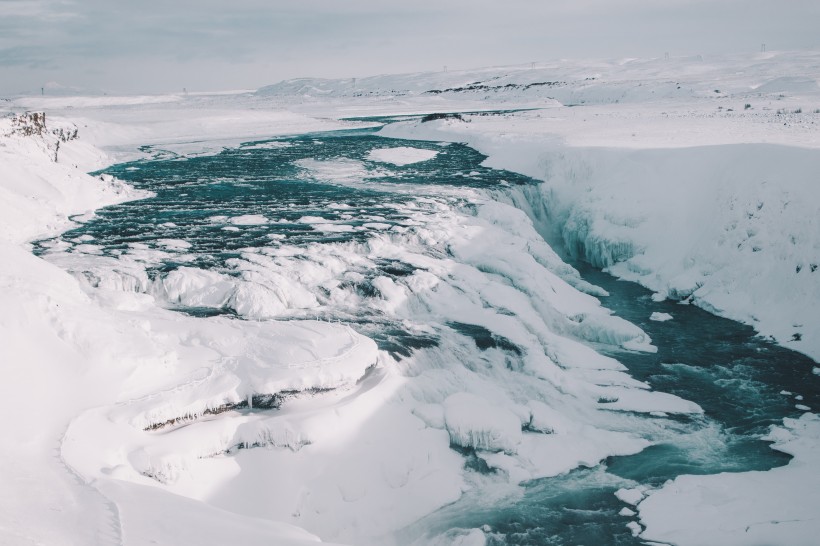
324,190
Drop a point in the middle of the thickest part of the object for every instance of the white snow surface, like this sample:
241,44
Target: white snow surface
64,353
690,194
774,507
401,155
644,174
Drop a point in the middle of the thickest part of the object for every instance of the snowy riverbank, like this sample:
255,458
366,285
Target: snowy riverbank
152,424
697,204
730,227
65,352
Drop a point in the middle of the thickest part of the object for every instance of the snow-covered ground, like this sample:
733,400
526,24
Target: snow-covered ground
64,353
137,419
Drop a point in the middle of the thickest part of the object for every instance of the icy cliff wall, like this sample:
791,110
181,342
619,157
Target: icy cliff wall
732,228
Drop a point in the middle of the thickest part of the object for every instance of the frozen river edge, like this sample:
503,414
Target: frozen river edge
45,329
589,203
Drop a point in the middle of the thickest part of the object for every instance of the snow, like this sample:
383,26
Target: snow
644,174
721,211
778,506
631,496
401,155
73,353
248,220
472,423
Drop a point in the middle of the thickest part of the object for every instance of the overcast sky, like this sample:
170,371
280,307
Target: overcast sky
164,45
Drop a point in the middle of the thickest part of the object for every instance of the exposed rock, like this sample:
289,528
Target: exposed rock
30,124
433,117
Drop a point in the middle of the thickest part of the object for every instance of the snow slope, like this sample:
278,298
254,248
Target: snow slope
64,353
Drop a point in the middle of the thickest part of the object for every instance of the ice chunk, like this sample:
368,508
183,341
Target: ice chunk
660,317
327,227
174,244
632,496
612,330
474,423
635,527
546,419
194,287
402,155
249,220
254,301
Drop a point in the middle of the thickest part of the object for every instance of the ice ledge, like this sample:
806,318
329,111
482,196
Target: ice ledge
778,506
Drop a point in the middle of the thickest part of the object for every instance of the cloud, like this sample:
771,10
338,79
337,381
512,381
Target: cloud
97,42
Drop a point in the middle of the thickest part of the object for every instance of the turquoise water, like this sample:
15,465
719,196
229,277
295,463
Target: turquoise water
266,178
734,375
721,365
252,180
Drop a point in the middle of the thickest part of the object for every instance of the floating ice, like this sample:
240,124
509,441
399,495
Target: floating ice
249,220
174,244
402,155
632,496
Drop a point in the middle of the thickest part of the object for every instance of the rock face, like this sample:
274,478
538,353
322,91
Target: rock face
29,123
34,124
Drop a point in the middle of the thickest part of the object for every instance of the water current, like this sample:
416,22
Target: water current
325,189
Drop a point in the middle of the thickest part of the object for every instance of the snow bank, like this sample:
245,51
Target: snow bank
44,182
355,451
129,128
732,228
778,506
117,350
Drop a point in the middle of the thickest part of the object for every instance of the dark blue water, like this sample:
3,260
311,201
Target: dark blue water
257,179
735,376
197,196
